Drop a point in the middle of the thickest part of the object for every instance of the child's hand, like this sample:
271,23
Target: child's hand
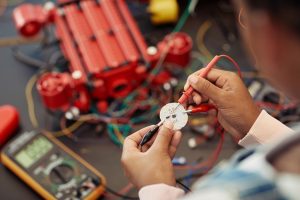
154,164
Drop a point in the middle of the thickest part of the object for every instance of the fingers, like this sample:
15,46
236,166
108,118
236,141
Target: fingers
132,142
147,146
205,87
215,76
196,98
164,137
174,143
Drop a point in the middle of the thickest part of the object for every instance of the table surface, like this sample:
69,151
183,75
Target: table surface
96,149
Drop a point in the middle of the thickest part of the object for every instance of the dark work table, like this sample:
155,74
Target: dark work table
96,149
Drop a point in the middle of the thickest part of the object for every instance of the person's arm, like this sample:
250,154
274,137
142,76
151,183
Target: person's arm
264,130
160,191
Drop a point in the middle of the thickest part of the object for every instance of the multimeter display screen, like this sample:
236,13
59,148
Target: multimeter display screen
33,151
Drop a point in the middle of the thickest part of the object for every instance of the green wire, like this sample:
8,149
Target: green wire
183,18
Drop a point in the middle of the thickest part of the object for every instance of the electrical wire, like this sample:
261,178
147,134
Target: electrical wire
30,102
183,185
200,37
210,162
183,18
118,133
27,60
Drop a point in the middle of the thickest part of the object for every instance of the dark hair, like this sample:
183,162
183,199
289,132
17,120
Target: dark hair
286,12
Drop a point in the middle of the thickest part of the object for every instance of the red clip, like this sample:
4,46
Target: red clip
203,108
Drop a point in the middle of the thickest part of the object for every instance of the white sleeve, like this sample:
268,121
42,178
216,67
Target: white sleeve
264,130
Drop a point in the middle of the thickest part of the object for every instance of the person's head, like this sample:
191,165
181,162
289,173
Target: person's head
271,31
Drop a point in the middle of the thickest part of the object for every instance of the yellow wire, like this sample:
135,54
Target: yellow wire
200,39
30,102
68,130
118,133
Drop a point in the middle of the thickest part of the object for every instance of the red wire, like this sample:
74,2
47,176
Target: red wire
214,157
235,64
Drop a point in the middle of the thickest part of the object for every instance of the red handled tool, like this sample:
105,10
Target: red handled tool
185,96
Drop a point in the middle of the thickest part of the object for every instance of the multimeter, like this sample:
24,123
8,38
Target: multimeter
52,169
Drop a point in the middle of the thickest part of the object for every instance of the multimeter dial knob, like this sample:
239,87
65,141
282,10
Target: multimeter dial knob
61,174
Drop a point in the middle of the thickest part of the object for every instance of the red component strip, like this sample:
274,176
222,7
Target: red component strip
139,40
83,34
70,50
106,41
120,30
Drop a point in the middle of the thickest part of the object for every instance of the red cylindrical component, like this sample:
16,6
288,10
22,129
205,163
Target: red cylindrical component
106,41
133,28
120,30
29,19
179,49
89,49
69,50
9,122
56,90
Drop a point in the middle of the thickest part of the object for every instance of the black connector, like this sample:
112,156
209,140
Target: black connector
148,136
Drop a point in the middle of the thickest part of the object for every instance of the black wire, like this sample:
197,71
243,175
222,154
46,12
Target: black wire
184,186
120,195
25,59
195,175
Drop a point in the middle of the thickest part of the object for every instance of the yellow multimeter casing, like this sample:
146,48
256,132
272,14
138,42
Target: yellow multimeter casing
52,169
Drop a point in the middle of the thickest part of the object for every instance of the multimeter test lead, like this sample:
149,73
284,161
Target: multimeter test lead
185,96
148,136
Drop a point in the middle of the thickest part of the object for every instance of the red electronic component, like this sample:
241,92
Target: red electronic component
108,56
56,90
9,122
180,47
29,19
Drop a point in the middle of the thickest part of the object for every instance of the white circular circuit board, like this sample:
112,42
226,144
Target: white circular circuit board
175,113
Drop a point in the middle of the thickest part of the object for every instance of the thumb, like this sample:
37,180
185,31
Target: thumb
206,88
164,137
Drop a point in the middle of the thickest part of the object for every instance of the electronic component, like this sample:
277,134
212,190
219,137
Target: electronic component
255,87
162,12
174,113
9,122
107,54
52,169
